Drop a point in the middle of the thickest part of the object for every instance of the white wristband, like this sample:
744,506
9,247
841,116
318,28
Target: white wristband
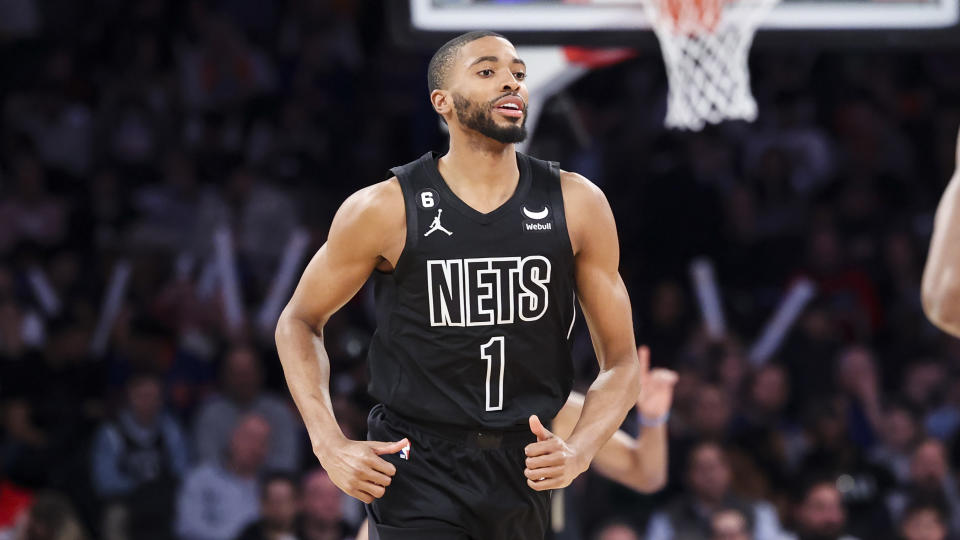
645,422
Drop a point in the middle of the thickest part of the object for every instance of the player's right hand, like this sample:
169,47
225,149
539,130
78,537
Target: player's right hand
357,468
656,387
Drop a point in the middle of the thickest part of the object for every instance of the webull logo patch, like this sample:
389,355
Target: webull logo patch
537,226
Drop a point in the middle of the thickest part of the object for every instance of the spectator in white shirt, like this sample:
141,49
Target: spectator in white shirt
241,393
216,502
709,480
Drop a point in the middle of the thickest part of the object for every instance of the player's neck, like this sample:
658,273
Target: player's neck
481,171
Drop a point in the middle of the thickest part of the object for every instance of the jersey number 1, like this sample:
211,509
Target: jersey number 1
492,352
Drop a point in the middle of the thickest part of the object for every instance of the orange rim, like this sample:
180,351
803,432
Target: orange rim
693,15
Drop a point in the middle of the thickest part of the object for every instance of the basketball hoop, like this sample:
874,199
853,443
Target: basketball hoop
705,44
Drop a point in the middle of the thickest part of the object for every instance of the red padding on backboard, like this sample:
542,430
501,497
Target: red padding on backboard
597,58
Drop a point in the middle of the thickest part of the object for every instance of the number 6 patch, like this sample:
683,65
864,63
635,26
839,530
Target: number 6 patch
426,199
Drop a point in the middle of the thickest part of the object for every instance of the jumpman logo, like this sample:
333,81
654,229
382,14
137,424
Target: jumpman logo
436,226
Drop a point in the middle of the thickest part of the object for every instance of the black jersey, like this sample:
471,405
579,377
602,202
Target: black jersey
473,324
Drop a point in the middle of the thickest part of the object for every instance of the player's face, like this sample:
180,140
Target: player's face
488,89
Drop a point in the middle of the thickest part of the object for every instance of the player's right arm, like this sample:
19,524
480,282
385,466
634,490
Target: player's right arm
941,276
367,232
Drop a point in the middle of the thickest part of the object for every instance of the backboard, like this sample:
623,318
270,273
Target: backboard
616,22
548,31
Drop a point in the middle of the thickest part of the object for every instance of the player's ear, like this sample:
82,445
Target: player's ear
442,101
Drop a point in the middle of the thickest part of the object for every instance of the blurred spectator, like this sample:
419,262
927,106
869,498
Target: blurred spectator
25,445
820,514
241,392
900,433
668,319
729,524
51,517
708,478
711,412
924,519
279,505
168,211
848,289
262,217
15,502
858,378
138,459
616,531
33,214
899,286
323,517
217,501
811,354
930,478
832,454
59,125
711,419
924,382
763,431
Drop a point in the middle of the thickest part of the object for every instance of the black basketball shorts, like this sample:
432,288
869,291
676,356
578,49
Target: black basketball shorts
455,484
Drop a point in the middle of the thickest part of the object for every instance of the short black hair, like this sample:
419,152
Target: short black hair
440,64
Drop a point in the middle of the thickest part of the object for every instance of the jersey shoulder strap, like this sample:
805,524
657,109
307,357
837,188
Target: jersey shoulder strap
542,170
411,172
412,177
545,183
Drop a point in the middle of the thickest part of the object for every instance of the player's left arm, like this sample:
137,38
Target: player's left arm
553,462
639,463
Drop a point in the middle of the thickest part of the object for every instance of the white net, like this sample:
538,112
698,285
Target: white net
705,44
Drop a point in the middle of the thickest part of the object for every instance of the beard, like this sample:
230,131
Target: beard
479,117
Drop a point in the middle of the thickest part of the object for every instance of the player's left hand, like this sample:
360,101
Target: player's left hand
551,462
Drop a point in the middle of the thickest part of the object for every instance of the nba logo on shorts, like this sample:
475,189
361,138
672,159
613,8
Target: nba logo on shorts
405,452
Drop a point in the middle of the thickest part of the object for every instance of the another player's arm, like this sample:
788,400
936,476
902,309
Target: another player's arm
941,277
364,234
639,463
553,462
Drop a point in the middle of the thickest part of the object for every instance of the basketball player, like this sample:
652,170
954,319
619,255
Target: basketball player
639,463
941,277
475,308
